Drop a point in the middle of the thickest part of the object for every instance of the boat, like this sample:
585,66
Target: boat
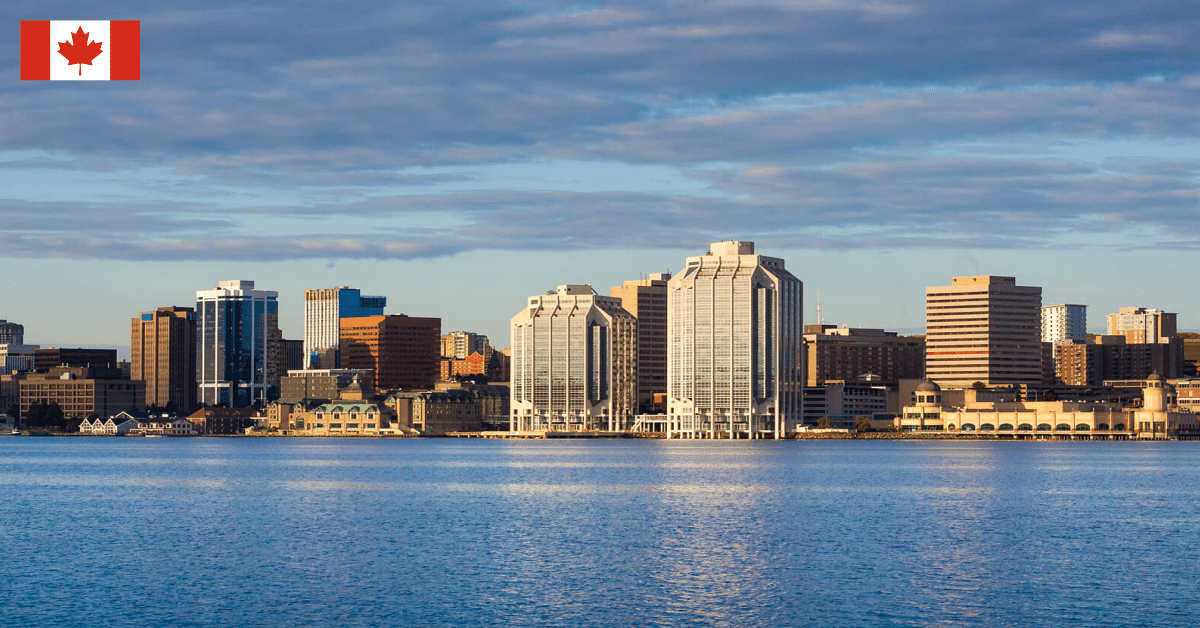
155,436
15,433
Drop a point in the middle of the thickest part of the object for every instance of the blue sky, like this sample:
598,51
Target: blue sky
460,156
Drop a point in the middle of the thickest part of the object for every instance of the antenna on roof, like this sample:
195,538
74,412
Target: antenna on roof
820,317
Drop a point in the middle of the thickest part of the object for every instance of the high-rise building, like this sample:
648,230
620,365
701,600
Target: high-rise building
323,310
646,299
1140,325
163,354
11,333
16,358
1064,321
401,351
734,344
574,361
235,325
1113,358
459,345
852,354
983,329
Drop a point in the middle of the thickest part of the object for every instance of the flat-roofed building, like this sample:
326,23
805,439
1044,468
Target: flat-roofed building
402,352
1113,358
163,354
48,358
734,346
11,333
236,327
1141,325
1064,321
16,358
574,362
324,308
325,384
983,329
79,394
852,354
646,300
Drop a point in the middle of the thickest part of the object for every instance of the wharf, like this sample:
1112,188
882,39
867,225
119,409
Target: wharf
536,434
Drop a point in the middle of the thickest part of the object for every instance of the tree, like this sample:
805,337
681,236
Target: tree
979,386
824,423
44,414
862,424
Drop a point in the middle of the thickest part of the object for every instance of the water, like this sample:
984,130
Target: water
343,532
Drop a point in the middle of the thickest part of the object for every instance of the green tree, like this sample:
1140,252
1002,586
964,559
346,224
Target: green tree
862,424
824,423
979,386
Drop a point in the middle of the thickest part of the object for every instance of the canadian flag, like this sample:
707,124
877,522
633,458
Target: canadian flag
83,50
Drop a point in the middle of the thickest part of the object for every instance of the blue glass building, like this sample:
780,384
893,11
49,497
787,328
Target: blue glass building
235,325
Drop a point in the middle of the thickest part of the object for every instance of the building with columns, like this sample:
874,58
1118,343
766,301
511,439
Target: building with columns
735,365
574,363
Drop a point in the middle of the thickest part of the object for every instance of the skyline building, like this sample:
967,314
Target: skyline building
646,300
459,345
162,349
853,354
323,310
574,363
401,351
1140,325
734,345
1064,321
983,329
11,333
234,327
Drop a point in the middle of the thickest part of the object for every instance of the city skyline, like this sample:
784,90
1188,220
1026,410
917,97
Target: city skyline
413,150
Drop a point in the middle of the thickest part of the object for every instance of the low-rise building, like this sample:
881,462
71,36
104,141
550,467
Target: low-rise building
121,423
80,394
165,426
1158,417
352,418
211,421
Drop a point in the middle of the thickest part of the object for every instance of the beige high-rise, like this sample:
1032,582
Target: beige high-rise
1140,325
983,329
646,299
163,354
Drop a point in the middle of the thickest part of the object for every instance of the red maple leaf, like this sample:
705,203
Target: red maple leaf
79,51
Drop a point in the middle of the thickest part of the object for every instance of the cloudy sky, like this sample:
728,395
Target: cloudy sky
460,156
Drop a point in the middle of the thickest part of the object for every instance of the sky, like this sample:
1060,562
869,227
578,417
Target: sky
458,157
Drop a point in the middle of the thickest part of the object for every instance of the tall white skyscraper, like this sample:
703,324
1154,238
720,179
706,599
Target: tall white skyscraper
574,363
234,327
324,308
734,340
1064,321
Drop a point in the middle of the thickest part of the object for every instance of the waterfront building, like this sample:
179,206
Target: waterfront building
1159,417
439,412
210,421
400,351
1064,321
983,329
574,360
16,358
235,326
324,309
734,352
121,423
1140,325
163,354
843,402
646,300
165,426
11,333
82,392
852,354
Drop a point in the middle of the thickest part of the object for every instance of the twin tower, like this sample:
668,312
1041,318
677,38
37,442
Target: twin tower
734,345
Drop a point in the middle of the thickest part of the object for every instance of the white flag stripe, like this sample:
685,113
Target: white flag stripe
61,31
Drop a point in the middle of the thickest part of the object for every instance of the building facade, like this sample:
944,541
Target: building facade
983,329
324,308
79,394
16,358
1112,357
48,358
163,354
574,360
235,326
734,345
853,354
402,352
458,345
646,300
1140,325
1064,321
11,333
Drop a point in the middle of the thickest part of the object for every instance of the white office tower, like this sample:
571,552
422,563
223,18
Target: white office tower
734,367
1064,321
574,363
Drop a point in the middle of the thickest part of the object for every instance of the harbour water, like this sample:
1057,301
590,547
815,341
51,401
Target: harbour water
412,532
